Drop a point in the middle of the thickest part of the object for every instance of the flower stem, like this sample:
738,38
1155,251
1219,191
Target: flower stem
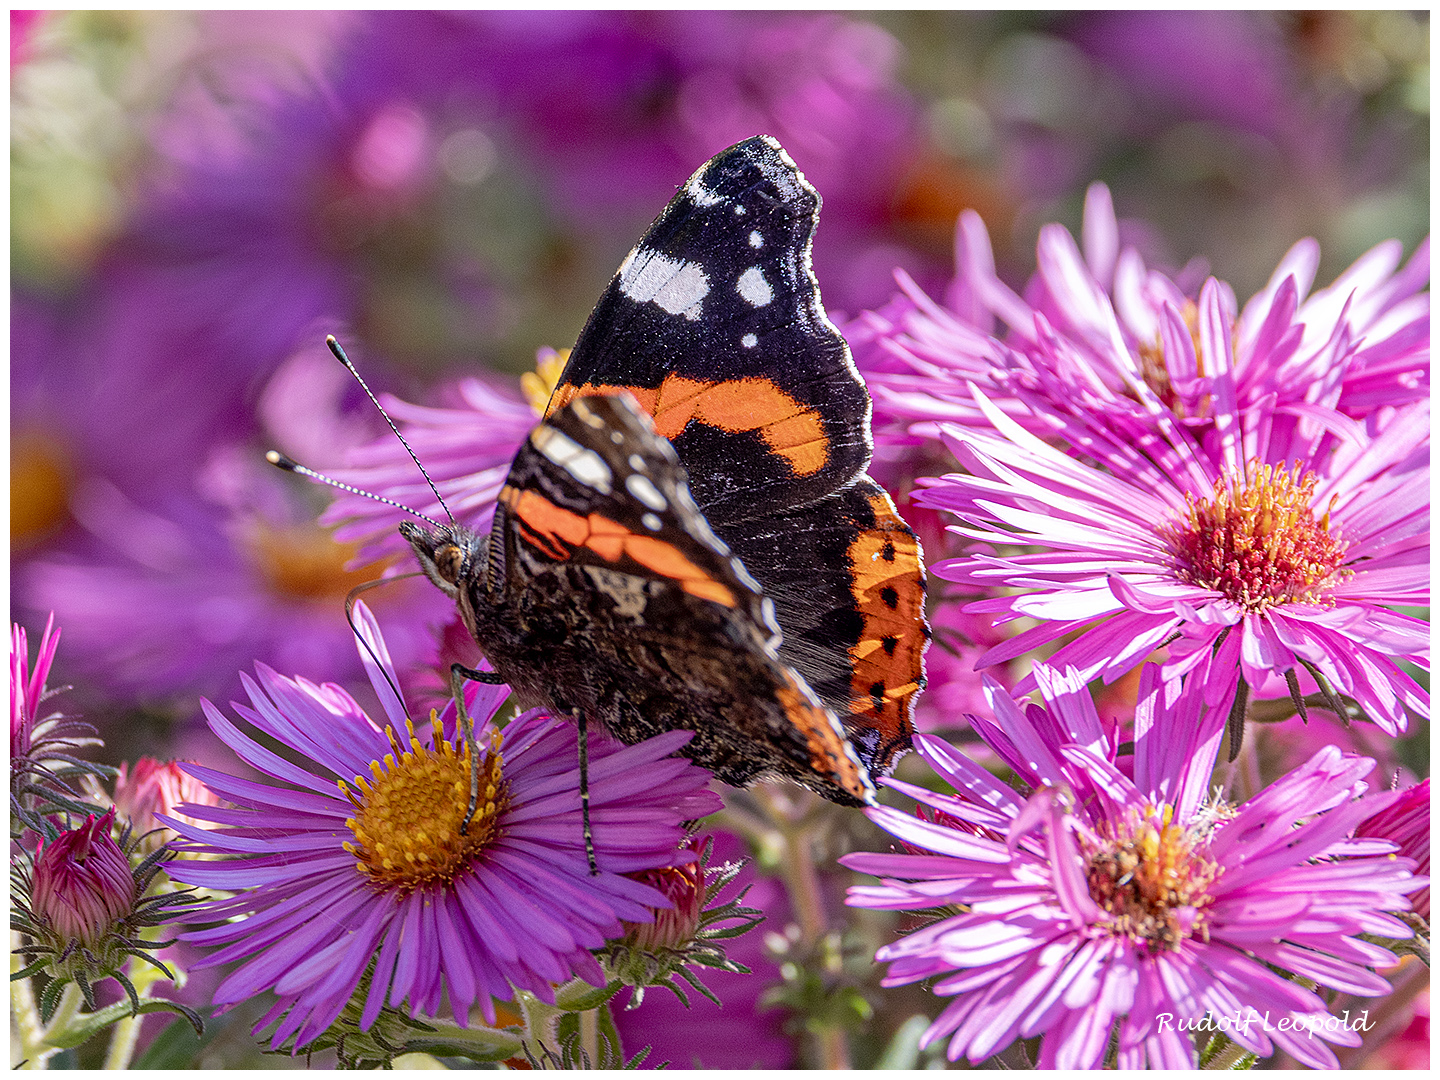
795,828
123,1037
31,1044
590,1037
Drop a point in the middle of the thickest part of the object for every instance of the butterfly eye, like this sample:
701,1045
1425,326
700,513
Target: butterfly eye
450,562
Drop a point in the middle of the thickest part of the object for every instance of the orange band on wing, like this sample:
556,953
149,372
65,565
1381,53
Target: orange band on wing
890,593
789,428
611,541
828,752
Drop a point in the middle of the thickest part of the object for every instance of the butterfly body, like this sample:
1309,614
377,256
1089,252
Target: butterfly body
688,540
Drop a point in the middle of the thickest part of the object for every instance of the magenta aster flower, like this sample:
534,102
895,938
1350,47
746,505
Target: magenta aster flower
45,743
82,884
1265,549
1406,821
327,878
1096,318
1100,906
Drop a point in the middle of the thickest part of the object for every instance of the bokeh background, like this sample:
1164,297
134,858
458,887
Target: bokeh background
198,198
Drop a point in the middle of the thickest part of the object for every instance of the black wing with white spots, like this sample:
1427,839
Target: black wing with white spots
714,323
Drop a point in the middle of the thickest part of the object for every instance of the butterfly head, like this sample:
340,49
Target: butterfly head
450,555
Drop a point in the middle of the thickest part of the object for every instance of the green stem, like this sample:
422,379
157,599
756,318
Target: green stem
31,1049
802,882
590,1037
123,1036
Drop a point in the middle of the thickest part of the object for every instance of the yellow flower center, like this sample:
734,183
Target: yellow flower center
1260,544
39,488
306,561
1154,880
539,385
408,813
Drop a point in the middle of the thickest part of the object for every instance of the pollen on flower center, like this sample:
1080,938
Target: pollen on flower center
1260,544
1154,879
408,813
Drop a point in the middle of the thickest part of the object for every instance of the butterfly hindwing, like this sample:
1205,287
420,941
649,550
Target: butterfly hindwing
622,602
845,577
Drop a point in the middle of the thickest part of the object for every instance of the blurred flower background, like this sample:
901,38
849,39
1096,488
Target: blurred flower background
197,199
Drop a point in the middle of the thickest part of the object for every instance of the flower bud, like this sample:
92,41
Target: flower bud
83,885
673,928
155,787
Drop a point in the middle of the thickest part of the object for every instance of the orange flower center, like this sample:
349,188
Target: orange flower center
409,811
39,488
306,561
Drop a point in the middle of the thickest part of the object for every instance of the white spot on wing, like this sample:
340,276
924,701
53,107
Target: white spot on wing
675,285
637,463
584,465
756,240
754,288
650,521
749,341
699,194
641,487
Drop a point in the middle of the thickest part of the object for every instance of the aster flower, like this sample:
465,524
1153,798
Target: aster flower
325,877
155,787
738,1031
1269,553
172,601
42,742
1096,318
1406,821
1093,905
688,931
1186,432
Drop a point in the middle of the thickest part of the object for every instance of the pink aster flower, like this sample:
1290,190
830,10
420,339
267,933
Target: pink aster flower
1096,319
1098,905
155,787
1269,546
1406,821
327,878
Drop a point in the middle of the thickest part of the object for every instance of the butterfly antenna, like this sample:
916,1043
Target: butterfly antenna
350,598
280,461
339,352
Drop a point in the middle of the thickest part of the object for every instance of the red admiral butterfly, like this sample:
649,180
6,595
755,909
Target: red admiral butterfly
688,539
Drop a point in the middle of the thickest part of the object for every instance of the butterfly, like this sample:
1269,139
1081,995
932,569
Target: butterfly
688,539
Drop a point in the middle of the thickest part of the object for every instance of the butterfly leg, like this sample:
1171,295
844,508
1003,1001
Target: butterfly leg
585,791
458,674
